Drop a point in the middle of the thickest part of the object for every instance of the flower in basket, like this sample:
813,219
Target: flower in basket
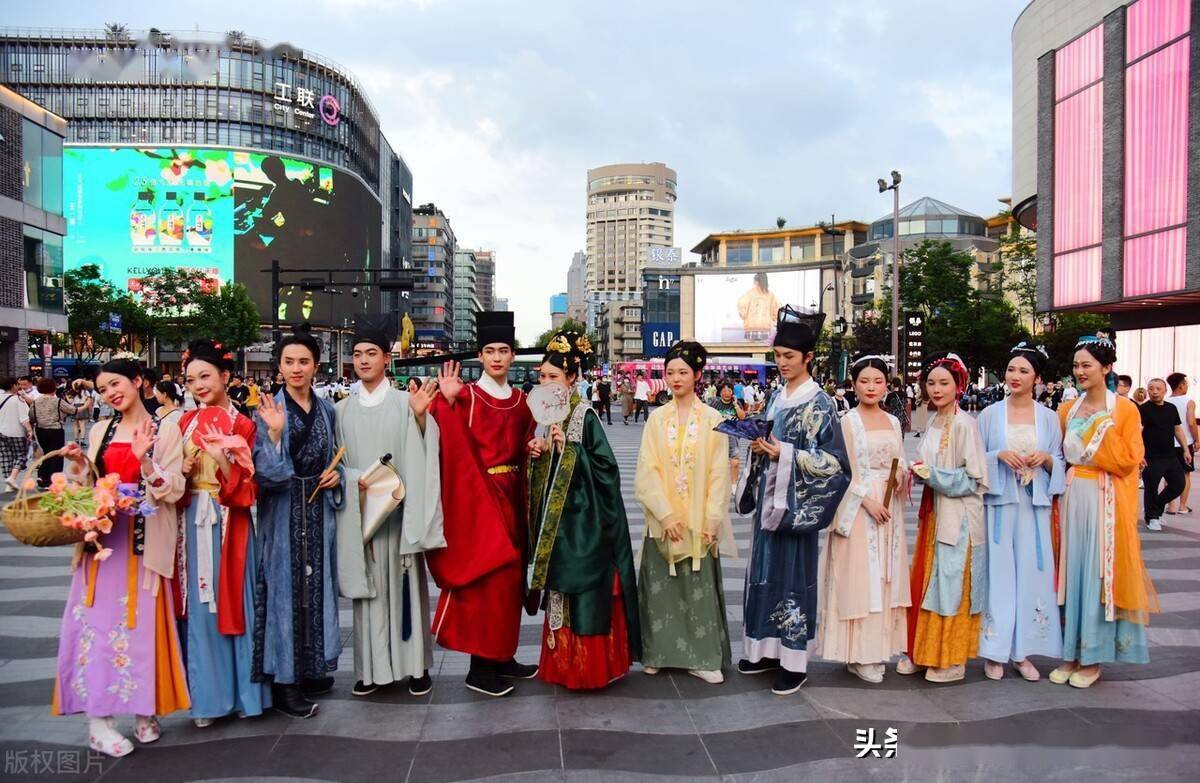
92,509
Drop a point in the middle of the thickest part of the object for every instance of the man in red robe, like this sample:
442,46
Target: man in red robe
485,432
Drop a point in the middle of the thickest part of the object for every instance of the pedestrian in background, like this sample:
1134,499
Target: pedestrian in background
1187,417
15,432
48,416
641,398
627,404
1161,431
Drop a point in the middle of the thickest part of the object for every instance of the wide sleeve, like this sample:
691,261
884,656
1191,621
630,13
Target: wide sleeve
820,472
272,467
238,489
165,483
423,520
650,484
992,436
1122,450
1056,484
856,490
716,501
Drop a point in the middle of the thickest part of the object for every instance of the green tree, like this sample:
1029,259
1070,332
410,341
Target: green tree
184,304
1018,253
871,335
228,316
90,300
1063,331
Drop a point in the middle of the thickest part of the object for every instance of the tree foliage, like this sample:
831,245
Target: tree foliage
90,300
936,280
1019,256
186,303
1064,330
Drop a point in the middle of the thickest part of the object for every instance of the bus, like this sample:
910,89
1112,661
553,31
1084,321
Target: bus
743,368
524,368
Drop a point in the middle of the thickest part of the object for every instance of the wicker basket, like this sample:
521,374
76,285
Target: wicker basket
29,524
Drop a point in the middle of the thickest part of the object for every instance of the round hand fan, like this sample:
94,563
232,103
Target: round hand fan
549,402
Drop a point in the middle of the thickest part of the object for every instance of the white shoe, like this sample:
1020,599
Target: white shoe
146,729
711,676
650,669
203,723
1154,524
867,672
104,738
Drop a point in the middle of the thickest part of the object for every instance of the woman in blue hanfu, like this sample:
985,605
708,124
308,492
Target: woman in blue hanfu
1023,445
796,479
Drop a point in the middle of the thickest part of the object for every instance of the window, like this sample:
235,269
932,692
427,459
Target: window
770,251
43,270
738,253
802,248
41,168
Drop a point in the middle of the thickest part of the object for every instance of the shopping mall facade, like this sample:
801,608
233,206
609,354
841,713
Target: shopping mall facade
219,152
1106,169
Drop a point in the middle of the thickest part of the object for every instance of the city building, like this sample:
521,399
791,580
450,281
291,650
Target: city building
466,303
1106,128
577,287
660,310
485,279
594,301
501,304
619,331
630,209
432,303
296,132
558,310
926,218
31,231
801,248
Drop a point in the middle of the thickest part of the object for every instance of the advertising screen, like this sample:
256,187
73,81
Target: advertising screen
741,307
226,212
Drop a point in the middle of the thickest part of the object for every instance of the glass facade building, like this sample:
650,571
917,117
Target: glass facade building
154,88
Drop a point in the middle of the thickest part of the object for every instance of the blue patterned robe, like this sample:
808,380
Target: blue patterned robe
797,497
296,634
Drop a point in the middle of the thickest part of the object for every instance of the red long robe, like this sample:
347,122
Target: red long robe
237,493
481,572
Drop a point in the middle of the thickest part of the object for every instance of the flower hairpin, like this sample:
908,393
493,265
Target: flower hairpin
584,344
559,345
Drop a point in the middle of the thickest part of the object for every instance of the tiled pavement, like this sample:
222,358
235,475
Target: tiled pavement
1138,722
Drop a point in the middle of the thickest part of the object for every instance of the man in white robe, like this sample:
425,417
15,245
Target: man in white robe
385,576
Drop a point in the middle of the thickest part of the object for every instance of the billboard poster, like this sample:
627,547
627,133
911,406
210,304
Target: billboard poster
741,307
914,345
226,212
658,337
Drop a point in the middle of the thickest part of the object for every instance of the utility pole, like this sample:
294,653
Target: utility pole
895,188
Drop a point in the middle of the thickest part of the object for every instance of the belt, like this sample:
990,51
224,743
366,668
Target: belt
497,469
1086,471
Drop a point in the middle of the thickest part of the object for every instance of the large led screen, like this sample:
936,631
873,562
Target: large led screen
741,307
228,213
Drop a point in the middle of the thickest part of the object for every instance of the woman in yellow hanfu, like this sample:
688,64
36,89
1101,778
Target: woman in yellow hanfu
683,485
1103,586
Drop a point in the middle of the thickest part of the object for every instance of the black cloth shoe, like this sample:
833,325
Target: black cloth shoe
317,687
362,689
419,686
759,667
517,671
788,682
489,684
290,701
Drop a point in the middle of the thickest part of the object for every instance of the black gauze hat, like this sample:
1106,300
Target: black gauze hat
495,326
796,330
374,329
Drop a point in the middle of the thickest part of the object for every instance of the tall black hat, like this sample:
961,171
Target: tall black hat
495,326
797,330
375,328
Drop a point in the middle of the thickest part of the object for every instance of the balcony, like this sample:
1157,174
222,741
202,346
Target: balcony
863,299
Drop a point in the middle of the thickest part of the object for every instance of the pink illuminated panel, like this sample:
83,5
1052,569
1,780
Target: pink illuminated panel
1152,23
1156,140
1077,277
1079,63
1154,263
1078,169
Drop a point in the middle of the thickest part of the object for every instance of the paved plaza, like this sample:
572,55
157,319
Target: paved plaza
1138,723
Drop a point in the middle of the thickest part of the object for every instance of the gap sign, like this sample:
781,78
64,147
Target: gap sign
658,337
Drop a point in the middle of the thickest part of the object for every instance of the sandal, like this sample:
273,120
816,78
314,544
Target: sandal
146,729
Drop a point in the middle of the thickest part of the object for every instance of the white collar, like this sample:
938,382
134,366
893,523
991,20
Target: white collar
803,391
500,392
371,399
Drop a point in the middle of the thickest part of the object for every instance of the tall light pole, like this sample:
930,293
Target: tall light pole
895,188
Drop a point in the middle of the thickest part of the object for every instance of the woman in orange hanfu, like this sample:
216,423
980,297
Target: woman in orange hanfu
1103,587
949,570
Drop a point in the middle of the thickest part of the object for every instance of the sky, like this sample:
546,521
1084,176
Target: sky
764,109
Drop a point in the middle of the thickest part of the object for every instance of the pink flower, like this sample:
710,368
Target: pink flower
29,484
67,519
90,536
104,525
124,502
104,553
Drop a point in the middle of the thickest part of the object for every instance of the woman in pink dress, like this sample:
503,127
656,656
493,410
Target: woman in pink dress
118,652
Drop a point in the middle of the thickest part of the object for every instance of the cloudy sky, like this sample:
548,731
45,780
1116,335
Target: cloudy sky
763,108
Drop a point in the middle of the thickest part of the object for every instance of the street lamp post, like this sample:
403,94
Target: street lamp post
895,188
